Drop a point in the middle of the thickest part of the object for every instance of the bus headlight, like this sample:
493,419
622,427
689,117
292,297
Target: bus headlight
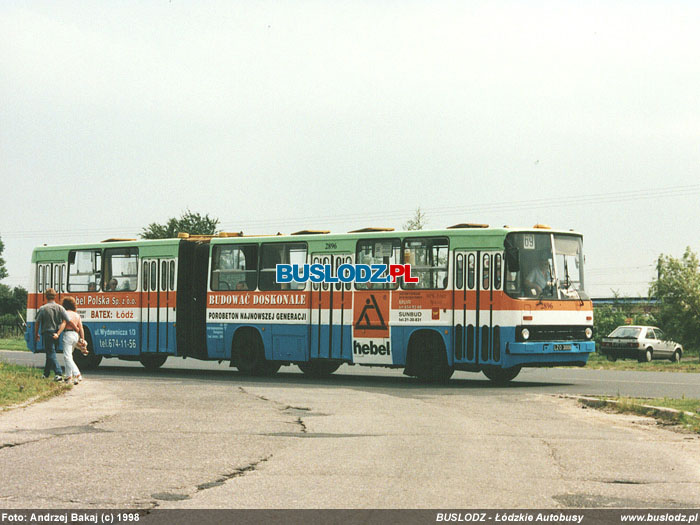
525,334
588,332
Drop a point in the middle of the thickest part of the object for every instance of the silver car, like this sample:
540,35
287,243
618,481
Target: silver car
643,342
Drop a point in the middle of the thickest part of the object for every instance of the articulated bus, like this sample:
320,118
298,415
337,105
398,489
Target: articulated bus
486,299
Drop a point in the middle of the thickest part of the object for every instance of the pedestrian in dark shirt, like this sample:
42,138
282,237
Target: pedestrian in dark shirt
49,318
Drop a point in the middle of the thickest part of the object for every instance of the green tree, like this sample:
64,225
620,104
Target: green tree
3,270
417,222
189,222
13,301
677,289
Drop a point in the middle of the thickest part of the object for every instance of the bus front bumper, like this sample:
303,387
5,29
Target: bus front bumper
552,348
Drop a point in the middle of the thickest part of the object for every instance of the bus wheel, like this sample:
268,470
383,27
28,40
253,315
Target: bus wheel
430,359
318,368
501,376
89,361
153,361
249,355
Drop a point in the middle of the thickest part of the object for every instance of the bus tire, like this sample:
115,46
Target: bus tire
153,361
318,369
89,361
248,354
427,358
501,376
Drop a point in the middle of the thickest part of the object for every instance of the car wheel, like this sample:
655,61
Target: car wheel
646,356
676,357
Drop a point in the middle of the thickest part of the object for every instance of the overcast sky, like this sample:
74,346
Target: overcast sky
278,116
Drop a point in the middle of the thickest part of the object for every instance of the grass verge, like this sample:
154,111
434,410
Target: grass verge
685,413
20,383
13,343
689,363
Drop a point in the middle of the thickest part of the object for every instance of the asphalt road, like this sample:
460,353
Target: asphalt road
575,381
204,436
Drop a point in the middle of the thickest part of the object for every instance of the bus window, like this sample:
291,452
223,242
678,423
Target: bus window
497,272
120,269
378,251
234,267
40,278
325,262
486,274
273,254
348,260
144,286
172,275
154,276
459,272
316,286
428,258
84,270
163,276
471,271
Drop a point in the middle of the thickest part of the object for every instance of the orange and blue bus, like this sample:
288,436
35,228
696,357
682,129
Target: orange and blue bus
493,300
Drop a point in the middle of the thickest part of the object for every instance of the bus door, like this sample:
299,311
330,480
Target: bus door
158,305
465,292
489,272
331,312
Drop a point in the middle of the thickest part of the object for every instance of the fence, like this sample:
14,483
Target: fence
11,330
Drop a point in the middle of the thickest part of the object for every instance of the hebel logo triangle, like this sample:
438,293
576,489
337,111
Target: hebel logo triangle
371,314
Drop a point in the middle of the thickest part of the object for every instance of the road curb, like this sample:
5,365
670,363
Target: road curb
669,414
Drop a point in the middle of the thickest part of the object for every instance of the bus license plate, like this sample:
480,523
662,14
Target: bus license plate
561,348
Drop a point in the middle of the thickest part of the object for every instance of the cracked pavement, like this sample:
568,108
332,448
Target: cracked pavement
183,440
140,443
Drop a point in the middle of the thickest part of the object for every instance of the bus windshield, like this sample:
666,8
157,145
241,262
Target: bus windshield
544,266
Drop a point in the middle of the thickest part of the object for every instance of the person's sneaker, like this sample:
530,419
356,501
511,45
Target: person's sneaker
68,379
75,381
58,378
44,377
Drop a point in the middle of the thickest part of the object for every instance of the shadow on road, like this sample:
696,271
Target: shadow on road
282,379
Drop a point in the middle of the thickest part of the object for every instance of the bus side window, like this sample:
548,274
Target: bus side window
144,286
378,251
459,272
429,258
486,273
83,270
163,276
233,267
272,254
154,276
497,272
471,271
